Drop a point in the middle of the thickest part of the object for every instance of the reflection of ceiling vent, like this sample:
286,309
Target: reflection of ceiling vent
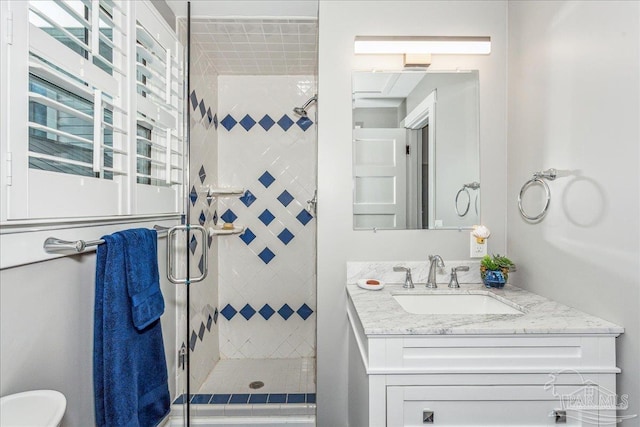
412,60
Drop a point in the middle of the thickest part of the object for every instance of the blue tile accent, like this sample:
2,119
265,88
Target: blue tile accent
285,236
266,179
209,200
229,216
247,198
220,399
215,217
304,311
247,311
209,116
266,255
311,398
304,123
266,311
228,122
203,109
209,323
193,340
201,331
202,174
239,398
266,217
285,198
285,311
201,264
247,236
296,398
215,120
179,400
202,218
247,122
277,398
258,398
215,316
228,312
304,217
285,122
194,99
200,399
209,241
266,122
193,244
193,196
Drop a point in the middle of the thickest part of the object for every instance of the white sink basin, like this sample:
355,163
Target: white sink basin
38,408
453,304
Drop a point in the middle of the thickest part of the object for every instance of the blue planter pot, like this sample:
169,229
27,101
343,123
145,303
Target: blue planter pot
494,279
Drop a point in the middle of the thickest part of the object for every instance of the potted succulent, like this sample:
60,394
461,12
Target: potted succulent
495,269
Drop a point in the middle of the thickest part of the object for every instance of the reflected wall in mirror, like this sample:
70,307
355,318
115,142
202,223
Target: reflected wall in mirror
416,150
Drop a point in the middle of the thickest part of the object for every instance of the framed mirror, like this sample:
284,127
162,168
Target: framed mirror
416,150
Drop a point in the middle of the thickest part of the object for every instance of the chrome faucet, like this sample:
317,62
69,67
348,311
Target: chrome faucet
408,281
435,261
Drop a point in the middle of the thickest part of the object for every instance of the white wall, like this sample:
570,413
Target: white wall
339,23
574,103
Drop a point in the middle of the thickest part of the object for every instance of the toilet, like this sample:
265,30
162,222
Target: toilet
37,408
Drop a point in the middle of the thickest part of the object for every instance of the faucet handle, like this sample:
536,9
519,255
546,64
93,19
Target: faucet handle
453,281
408,281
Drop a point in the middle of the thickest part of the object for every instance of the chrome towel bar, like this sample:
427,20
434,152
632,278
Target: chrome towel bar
55,245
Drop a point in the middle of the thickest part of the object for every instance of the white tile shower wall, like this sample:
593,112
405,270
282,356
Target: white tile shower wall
203,336
267,274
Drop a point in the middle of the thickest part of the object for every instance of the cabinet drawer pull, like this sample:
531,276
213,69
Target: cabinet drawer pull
427,417
561,416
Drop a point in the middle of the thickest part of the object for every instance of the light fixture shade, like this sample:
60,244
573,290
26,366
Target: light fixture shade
423,45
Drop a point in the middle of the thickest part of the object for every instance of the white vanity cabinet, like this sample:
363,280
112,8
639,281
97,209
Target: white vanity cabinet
444,378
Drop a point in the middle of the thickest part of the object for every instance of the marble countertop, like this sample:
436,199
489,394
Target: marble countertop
380,314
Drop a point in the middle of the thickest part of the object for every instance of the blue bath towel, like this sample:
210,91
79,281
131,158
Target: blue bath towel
130,370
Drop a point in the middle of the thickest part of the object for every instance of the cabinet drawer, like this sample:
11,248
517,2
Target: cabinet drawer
464,406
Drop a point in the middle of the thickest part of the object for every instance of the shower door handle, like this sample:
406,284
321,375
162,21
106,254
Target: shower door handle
170,254
312,205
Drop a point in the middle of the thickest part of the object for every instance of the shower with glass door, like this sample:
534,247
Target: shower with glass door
251,335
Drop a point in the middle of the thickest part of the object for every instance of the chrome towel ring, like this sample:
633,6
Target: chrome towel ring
472,185
538,178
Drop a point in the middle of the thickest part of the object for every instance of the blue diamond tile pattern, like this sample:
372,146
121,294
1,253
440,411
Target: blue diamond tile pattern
209,200
193,340
285,123
247,311
215,120
203,109
247,122
304,311
248,236
228,312
266,179
304,217
193,196
194,99
266,311
266,217
266,255
304,123
209,323
247,198
285,236
202,218
228,122
201,264
215,316
209,241
285,311
202,174
266,122
215,217
229,216
285,198
193,244
209,115
201,331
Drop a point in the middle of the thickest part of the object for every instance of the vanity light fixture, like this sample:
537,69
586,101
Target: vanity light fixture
372,45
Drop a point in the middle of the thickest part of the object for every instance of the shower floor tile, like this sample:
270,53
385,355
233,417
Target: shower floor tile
278,375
